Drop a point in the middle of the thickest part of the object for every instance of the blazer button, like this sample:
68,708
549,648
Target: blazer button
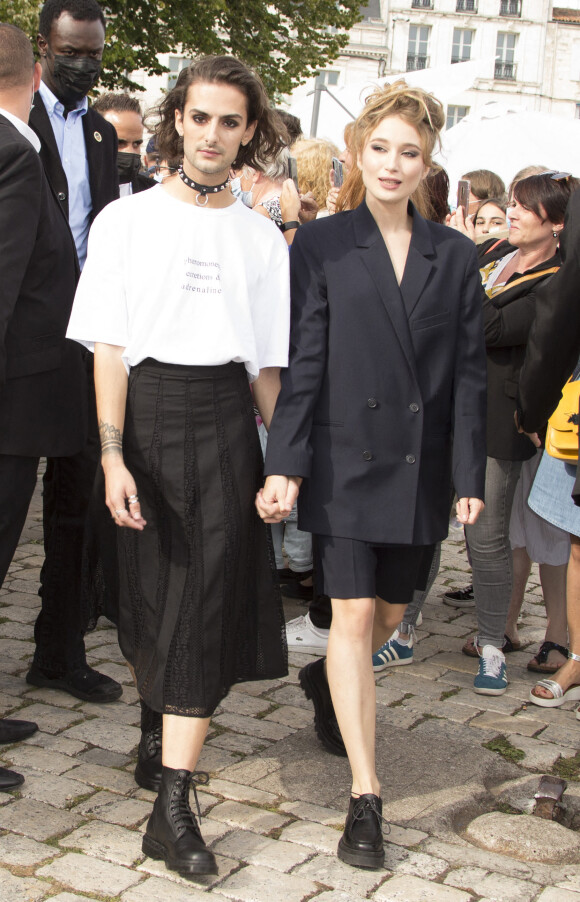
61,195
367,455
414,407
410,458
372,402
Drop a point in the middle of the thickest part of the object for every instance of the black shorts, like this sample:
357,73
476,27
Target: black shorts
349,568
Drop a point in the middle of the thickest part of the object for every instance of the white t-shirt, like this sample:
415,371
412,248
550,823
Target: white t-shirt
185,284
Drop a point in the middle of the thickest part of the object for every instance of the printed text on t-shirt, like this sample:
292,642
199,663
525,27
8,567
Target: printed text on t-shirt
202,276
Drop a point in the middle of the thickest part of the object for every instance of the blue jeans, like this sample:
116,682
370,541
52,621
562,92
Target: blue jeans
491,554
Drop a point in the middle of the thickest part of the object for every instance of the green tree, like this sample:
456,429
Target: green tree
285,40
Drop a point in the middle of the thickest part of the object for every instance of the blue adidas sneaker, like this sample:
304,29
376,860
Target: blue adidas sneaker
491,677
393,654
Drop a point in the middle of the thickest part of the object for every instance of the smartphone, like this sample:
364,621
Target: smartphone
463,192
338,172
293,171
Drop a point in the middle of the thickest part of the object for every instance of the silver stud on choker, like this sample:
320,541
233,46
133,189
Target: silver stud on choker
202,190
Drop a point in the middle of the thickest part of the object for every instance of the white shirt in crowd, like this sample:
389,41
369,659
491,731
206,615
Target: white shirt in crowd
184,284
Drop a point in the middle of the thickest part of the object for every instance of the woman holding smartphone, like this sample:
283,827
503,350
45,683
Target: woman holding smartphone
386,359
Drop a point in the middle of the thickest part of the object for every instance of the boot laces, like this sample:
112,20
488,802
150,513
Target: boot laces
492,665
154,741
179,804
361,806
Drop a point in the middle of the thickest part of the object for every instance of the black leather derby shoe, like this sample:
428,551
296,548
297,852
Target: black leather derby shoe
9,779
84,683
315,686
15,730
361,845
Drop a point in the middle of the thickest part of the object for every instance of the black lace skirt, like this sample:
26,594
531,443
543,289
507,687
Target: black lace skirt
200,607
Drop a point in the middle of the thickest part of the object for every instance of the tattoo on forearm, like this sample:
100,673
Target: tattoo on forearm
111,438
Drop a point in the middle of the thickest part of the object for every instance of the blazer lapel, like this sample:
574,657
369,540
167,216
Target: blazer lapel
376,258
418,267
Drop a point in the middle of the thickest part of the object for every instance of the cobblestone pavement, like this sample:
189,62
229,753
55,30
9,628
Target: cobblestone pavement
275,805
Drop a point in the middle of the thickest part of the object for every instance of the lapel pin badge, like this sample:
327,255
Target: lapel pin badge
97,136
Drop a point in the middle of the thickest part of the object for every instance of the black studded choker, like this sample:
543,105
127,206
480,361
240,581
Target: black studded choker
202,190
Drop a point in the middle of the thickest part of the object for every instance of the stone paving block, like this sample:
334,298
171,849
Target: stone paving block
385,695
58,743
330,871
107,841
566,734
249,726
214,760
103,758
428,669
114,809
247,818
557,894
500,703
90,875
255,849
400,861
440,628
455,661
291,716
110,653
314,836
164,891
255,884
17,649
415,685
462,854
240,703
491,720
413,889
19,851
51,697
118,672
405,836
36,820
539,755
337,895
116,711
20,889
494,887
256,687
237,742
398,717
51,719
58,791
158,869
31,756
106,734
12,630
251,770
290,695
68,897
25,586
18,614
317,813
10,684
104,777
239,793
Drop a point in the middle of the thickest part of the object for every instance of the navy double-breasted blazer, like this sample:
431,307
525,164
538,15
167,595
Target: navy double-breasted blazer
379,380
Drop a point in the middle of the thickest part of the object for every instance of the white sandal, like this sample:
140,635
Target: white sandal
559,696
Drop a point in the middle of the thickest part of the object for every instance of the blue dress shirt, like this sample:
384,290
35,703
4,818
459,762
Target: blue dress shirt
70,141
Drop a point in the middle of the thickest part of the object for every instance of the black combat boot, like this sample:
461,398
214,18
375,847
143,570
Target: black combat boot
148,770
315,687
361,844
173,834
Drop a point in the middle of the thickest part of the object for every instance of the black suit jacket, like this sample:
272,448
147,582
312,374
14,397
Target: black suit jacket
554,342
101,144
42,381
508,318
379,379
142,182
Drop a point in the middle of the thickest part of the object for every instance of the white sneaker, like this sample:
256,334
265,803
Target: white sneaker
302,635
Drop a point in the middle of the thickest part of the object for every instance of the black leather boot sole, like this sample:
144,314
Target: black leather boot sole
315,688
359,858
157,851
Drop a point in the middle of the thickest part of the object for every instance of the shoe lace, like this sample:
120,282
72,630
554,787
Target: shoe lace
492,665
363,805
296,625
154,741
179,804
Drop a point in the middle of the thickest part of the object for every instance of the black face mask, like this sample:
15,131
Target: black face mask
128,165
74,78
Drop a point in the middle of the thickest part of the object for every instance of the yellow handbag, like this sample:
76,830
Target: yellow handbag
562,432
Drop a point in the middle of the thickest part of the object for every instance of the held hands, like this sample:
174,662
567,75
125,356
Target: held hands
468,510
121,497
275,501
533,436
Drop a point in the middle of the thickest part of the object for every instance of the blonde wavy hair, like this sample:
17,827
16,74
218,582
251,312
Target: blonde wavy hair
420,109
314,161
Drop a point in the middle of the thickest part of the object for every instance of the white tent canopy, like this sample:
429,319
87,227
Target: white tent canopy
445,82
506,138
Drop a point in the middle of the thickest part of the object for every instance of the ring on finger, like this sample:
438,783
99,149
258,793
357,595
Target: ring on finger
119,511
133,499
